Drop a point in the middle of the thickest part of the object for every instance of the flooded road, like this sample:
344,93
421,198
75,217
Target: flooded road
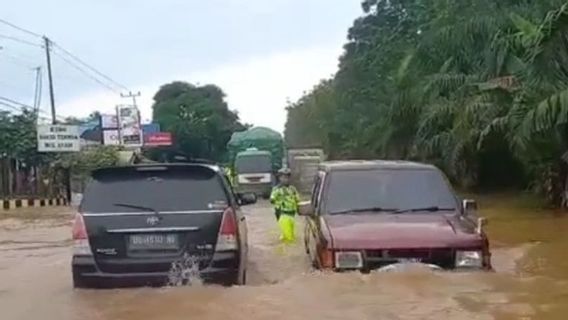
530,282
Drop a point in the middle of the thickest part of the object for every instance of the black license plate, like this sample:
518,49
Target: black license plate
153,241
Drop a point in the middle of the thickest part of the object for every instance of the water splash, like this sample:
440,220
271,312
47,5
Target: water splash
185,272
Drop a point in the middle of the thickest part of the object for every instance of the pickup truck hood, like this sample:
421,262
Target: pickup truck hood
388,231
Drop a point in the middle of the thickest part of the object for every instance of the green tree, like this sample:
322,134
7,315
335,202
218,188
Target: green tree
477,87
198,117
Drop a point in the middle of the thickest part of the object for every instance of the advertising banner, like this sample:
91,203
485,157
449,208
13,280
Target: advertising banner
109,121
158,139
111,138
130,128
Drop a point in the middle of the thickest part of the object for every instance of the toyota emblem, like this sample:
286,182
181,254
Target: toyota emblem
152,221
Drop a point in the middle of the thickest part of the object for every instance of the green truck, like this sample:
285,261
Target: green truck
255,156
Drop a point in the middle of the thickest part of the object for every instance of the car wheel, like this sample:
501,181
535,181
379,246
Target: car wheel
79,282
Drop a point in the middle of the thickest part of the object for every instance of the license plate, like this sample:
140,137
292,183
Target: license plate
154,241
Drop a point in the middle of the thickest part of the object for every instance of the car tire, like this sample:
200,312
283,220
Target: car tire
79,282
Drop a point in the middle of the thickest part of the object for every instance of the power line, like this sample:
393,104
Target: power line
19,110
87,74
16,59
21,105
117,84
10,106
20,40
19,28
16,102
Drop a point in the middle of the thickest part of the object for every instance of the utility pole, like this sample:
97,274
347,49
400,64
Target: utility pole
50,78
37,97
131,95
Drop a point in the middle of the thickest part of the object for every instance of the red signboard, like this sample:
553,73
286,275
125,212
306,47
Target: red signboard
158,139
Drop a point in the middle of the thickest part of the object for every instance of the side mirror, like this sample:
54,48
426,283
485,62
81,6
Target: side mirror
306,209
481,222
469,205
247,198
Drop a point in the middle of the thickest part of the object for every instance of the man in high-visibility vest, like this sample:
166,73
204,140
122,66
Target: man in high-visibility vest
286,202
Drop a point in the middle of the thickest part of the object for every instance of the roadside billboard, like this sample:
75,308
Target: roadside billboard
111,137
109,121
58,138
130,128
158,139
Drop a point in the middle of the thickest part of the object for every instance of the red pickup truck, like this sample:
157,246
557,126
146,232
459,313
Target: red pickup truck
368,215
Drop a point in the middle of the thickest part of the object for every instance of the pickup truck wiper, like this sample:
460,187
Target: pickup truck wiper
358,210
430,209
133,206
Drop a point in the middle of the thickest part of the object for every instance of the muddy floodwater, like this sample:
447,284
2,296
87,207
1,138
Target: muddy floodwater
529,254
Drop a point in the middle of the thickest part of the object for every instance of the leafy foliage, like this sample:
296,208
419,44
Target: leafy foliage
18,138
198,117
82,163
478,87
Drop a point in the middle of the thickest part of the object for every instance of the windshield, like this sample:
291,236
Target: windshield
388,190
253,164
172,190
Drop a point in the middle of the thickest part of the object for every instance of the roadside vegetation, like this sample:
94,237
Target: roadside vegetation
477,87
198,117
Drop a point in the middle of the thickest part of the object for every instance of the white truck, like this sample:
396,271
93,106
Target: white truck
304,165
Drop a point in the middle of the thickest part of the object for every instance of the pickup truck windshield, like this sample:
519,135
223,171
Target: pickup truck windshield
253,164
393,190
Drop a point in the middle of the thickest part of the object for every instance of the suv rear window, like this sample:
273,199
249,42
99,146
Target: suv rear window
161,188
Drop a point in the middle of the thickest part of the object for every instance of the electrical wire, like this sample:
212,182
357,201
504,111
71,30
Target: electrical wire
115,83
20,110
20,28
87,74
16,60
20,40
22,105
10,106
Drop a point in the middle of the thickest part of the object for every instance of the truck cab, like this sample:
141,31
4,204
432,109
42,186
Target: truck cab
253,170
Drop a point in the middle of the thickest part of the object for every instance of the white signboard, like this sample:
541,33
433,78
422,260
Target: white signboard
58,138
111,138
130,128
109,121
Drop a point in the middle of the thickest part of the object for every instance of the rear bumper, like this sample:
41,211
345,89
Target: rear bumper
258,189
86,268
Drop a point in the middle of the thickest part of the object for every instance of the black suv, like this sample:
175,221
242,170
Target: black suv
139,224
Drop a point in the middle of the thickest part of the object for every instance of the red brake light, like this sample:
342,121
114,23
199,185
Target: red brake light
79,229
229,223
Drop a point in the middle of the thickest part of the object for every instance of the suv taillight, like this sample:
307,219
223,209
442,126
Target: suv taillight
81,245
227,239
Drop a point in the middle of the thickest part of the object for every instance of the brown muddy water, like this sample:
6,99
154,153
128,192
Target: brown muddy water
530,282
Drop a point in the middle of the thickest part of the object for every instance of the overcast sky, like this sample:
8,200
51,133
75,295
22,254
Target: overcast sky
260,52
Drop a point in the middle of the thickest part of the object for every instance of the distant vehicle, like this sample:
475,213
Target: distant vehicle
304,164
368,215
253,169
255,155
260,138
135,222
